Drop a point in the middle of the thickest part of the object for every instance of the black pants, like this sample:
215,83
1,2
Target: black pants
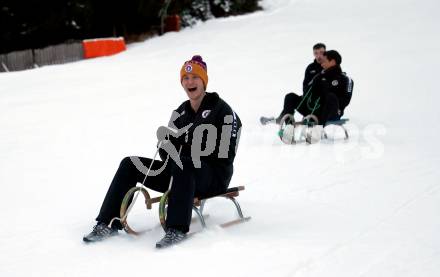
187,183
328,110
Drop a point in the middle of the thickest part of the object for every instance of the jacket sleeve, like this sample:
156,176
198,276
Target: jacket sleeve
347,91
229,129
172,125
306,80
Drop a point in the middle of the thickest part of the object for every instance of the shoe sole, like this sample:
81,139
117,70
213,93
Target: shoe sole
85,239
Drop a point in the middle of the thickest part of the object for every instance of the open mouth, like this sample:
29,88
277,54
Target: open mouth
192,89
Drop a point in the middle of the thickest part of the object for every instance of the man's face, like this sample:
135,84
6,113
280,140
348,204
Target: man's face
193,86
326,63
318,54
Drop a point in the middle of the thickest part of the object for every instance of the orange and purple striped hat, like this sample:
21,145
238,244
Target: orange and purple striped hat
195,66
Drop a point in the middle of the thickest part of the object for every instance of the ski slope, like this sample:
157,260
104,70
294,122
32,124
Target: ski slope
366,207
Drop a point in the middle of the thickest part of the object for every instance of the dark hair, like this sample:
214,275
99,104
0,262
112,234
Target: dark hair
319,45
333,55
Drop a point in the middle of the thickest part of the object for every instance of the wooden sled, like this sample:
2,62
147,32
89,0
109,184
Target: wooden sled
199,203
288,127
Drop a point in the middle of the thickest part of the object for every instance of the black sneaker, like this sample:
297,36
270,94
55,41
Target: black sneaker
172,236
100,231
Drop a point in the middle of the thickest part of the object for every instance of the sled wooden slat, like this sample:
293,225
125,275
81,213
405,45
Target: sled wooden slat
341,121
151,201
230,192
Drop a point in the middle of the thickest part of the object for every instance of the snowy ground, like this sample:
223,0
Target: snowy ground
369,207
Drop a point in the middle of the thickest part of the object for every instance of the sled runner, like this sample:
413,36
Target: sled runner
289,128
198,206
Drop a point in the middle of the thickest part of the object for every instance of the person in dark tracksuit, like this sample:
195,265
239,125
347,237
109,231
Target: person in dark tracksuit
207,145
328,94
315,67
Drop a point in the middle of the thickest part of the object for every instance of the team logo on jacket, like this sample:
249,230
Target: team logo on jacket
335,83
205,113
188,68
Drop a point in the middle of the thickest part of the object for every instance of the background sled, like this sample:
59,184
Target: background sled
288,127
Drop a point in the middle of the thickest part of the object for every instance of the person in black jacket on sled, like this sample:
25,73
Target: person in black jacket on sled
202,140
315,67
327,96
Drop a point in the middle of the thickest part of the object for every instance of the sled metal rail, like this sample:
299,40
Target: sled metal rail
339,123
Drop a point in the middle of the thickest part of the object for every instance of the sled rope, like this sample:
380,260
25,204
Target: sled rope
308,96
316,106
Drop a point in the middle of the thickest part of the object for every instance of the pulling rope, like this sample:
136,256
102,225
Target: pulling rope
308,96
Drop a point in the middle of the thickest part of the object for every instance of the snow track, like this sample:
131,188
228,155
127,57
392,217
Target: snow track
366,207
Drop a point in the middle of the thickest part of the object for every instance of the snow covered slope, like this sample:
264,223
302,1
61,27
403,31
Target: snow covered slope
369,207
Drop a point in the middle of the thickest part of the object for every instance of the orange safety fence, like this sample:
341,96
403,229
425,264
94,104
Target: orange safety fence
103,47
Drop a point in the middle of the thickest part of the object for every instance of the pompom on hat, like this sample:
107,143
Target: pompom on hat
195,66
